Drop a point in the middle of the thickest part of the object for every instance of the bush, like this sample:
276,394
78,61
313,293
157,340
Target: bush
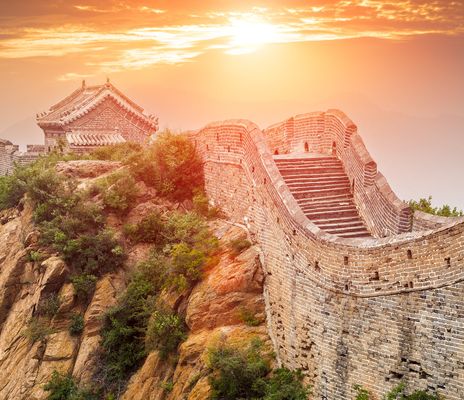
285,384
245,373
116,152
76,325
171,165
49,305
397,393
425,205
187,266
249,318
123,333
150,229
239,245
84,286
202,207
119,192
38,328
63,387
94,254
11,191
239,373
165,331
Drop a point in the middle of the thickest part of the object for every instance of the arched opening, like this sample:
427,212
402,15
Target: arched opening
334,148
306,147
276,152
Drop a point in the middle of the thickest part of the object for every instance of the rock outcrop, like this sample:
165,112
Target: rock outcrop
214,309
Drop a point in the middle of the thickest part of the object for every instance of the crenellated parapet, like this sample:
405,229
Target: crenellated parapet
365,311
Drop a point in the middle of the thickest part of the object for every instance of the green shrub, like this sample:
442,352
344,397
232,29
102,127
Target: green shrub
38,328
187,266
245,373
397,393
192,229
361,393
248,317
36,256
167,386
84,286
150,229
239,245
119,192
11,191
76,325
165,331
171,165
116,152
425,205
123,332
285,384
238,373
201,206
49,305
94,254
63,387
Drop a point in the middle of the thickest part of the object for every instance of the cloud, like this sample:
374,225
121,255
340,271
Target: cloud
148,36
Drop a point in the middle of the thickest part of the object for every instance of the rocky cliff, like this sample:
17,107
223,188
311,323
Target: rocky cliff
213,309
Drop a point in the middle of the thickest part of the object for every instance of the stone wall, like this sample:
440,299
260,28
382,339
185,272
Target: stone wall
346,311
332,132
11,156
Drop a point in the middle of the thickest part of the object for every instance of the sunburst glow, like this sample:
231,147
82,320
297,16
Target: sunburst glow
248,33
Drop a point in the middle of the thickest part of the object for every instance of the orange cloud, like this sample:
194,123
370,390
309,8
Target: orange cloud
149,35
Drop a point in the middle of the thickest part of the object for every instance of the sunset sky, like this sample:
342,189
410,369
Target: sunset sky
395,67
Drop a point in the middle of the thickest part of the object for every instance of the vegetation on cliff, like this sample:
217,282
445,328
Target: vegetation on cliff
397,393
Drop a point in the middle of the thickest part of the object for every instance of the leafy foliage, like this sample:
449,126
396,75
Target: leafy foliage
245,373
165,331
84,286
49,305
117,152
239,245
150,229
397,393
119,191
76,325
171,165
425,205
38,328
63,387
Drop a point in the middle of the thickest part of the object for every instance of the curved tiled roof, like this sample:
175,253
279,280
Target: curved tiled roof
94,138
84,100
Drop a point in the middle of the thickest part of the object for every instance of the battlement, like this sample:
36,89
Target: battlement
10,155
345,310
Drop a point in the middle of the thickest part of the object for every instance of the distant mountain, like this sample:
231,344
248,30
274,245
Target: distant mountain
23,132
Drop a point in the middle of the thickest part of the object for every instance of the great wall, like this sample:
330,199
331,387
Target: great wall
382,304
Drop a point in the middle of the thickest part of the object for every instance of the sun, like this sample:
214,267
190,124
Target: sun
248,33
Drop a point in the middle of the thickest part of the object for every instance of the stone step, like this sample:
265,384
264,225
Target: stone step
323,191
319,193
341,220
355,235
336,225
320,185
318,179
310,170
349,230
315,177
280,161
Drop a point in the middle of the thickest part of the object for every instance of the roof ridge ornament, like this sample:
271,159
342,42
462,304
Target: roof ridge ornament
83,83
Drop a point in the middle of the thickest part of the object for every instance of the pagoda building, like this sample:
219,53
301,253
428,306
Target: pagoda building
94,116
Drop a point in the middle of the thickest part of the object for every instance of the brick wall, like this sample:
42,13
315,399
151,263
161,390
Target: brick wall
109,115
333,132
346,311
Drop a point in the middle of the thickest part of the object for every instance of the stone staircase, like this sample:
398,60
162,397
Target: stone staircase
321,187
